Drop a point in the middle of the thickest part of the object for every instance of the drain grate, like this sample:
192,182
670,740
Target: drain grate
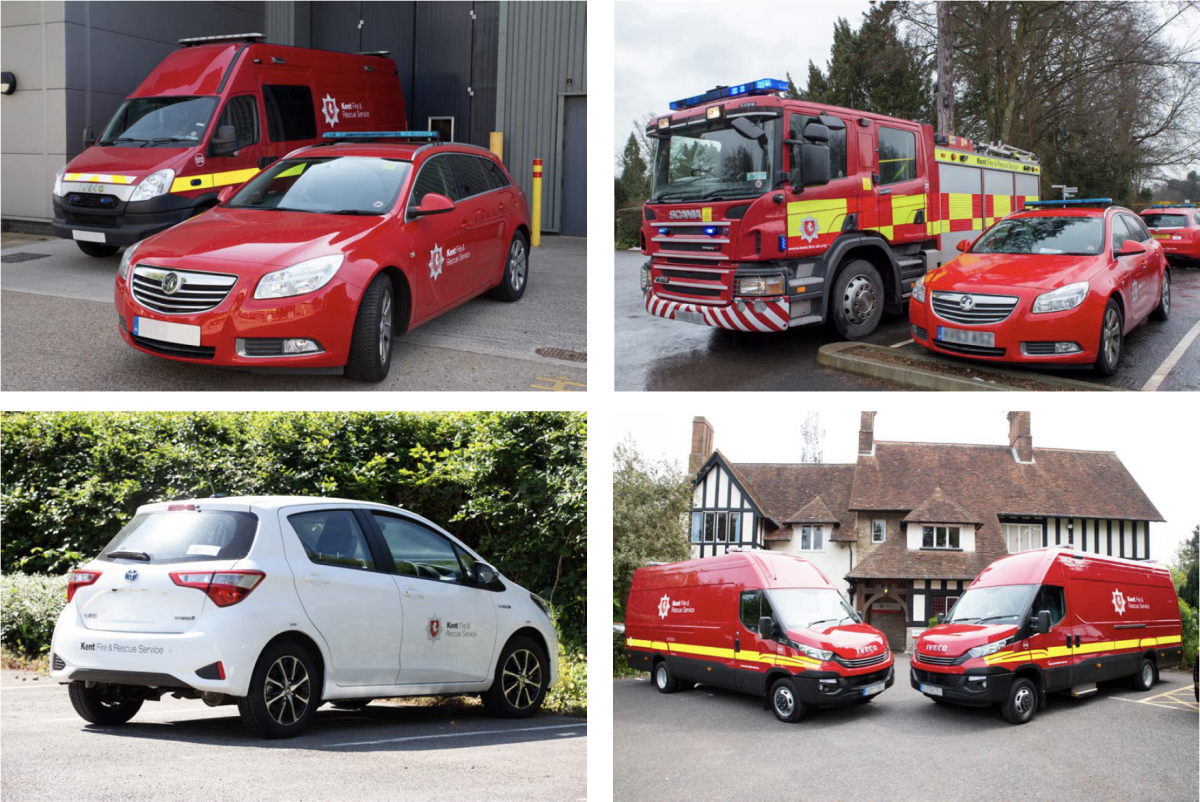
9,258
562,353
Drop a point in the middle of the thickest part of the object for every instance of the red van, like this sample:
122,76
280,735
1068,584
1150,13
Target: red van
1050,620
759,622
211,115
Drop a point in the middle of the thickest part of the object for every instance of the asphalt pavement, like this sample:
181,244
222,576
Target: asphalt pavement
59,332
713,745
657,354
184,750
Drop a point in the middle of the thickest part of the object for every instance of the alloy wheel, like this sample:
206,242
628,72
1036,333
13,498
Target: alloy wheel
287,690
521,678
785,703
517,264
1111,336
385,326
858,302
1166,292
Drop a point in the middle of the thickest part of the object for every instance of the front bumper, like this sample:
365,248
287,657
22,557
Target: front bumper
959,688
126,223
831,689
759,314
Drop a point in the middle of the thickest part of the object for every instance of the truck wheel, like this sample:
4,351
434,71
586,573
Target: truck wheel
522,677
284,692
371,342
1112,341
785,702
516,271
102,704
95,248
663,679
856,304
1163,310
1143,680
1021,703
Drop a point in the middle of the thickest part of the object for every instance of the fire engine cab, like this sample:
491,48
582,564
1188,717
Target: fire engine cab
768,213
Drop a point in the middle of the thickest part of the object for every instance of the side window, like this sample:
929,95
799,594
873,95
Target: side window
332,537
1196,218
897,155
433,177
419,551
838,161
242,113
290,113
1051,598
495,174
878,531
1143,233
1119,233
469,177
750,607
697,526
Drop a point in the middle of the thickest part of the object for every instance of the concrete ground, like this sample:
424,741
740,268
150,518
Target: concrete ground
184,750
59,332
713,744
657,354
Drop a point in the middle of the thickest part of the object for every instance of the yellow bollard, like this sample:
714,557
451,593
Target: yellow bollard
496,144
537,203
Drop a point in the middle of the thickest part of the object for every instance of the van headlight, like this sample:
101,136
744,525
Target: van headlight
58,179
154,185
1063,298
919,290
991,648
816,654
307,276
126,263
542,604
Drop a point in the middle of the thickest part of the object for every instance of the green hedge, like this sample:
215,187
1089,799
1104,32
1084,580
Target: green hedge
629,224
513,486
1190,633
29,608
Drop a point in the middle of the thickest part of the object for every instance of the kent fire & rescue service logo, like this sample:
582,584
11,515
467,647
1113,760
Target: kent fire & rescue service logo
330,107
809,229
1118,602
435,628
664,606
436,260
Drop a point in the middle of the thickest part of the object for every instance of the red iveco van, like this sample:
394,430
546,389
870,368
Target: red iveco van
1050,620
210,115
758,622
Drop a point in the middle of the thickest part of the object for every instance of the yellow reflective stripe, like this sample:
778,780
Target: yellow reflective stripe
766,658
212,180
1008,656
906,206
886,231
99,178
185,183
827,212
291,171
1001,205
962,206
991,162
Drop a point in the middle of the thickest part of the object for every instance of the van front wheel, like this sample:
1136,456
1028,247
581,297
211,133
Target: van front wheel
1021,703
102,704
785,702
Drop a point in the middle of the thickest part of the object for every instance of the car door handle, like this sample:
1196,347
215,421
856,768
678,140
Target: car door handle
315,579
409,593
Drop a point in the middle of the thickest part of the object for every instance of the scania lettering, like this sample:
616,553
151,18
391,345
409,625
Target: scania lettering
282,604
762,623
1050,620
768,213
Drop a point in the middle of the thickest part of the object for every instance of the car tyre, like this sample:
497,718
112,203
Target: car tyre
664,680
856,304
1021,703
521,680
286,676
785,702
1163,310
371,341
102,705
96,249
1143,680
516,271
1112,339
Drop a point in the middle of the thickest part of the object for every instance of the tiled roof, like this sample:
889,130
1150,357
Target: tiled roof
814,512
940,508
783,489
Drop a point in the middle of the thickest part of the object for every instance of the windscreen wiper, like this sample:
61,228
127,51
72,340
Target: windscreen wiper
822,621
129,555
990,617
352,211
170,139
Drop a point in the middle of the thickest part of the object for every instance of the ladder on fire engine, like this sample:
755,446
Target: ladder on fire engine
1005,151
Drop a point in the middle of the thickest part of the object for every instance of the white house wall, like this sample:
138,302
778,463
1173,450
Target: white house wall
833,561
1129,538
966,536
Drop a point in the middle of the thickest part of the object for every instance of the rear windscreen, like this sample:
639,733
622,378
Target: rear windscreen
184,536
1165,220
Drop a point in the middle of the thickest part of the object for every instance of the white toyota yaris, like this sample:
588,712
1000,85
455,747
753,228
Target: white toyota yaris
280,604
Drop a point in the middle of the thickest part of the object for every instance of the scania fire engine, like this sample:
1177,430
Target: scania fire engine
768,213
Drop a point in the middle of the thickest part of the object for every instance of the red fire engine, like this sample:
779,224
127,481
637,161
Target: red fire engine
768,213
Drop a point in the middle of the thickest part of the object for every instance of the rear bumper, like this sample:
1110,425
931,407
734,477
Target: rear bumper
957,688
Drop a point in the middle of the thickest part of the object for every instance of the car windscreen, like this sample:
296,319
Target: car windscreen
142,122
992,605
1078,236
1165,220
713,162
801,608
184,536
358,185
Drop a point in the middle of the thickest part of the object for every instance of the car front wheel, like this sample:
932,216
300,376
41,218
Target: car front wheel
371,342
102,704
284,692
1112,340
522,678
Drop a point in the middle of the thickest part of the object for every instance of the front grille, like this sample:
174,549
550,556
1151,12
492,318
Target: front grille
87,200
121,320
197,292
702,292
694,275
706,247
938,661
58,663
985,309
1039,349
920,333
862,662
175,349
867,679
974,350
263,346
92,219
939,679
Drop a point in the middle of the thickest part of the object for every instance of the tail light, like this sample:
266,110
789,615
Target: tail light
80,579
223,587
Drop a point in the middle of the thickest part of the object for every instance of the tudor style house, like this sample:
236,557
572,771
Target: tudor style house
905,529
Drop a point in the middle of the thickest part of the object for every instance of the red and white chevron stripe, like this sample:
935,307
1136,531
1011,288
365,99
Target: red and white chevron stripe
774,316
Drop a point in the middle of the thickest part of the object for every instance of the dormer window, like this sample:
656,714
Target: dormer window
878,531
940,537
812,537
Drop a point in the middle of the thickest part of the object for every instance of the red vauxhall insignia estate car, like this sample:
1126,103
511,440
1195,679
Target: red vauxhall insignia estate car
1060,284
320,260
1177,228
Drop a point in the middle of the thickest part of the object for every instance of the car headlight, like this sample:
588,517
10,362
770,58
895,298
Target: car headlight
816,654
991,648
126,263
1063,298
154,185
58,179
919,290
542,604
307,276
760,285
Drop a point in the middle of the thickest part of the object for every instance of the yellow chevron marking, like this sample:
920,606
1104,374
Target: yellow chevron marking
765,658
1009,656
99,178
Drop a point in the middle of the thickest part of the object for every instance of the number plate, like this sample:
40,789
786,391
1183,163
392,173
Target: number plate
690,317
982,338
871,690
88,236
179,333
931,690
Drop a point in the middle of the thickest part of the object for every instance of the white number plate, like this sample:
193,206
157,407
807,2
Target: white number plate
931,690
873,689
690,317
88,236
180,333
984,338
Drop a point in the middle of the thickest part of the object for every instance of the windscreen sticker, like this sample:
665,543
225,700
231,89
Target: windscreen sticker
760,176
207,551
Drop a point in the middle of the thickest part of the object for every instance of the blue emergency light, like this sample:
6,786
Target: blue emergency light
380,135
763,86
1072,202
1173,206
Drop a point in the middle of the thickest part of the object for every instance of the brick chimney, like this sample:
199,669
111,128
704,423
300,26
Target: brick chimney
866,434
702,444
1019,437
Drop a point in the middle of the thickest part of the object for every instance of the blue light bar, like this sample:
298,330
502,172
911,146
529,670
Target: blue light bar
1171,206
1072,202
380,135
763,86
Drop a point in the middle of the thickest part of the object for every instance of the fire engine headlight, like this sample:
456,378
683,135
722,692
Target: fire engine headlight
126,263
154,185
919,290
991,648
760,285
645,278
816,654
1063,298
58,179
300,278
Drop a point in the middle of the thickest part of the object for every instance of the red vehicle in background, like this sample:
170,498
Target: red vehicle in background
1050,620
1060,283
1176,226
758,622
211,115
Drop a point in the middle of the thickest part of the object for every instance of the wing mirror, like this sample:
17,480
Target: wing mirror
964,245
225,142
1042,625
482,573
225,194
941,617
433,203
766,627
89,137
1131,247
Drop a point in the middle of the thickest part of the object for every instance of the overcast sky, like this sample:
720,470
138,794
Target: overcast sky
761,427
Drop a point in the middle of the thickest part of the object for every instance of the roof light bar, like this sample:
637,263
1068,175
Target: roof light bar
228,37
380,135
1072,202
1166,205
763,86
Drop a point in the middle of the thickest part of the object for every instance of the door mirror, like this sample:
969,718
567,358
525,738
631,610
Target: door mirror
816,132
814,164
225,194
941,617
483,574
748,129
89,137
1042,625
433,203
1132,247
964,245
225,142
766,627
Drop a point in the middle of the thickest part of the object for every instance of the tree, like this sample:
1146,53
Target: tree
635,173
1186,564
650,505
